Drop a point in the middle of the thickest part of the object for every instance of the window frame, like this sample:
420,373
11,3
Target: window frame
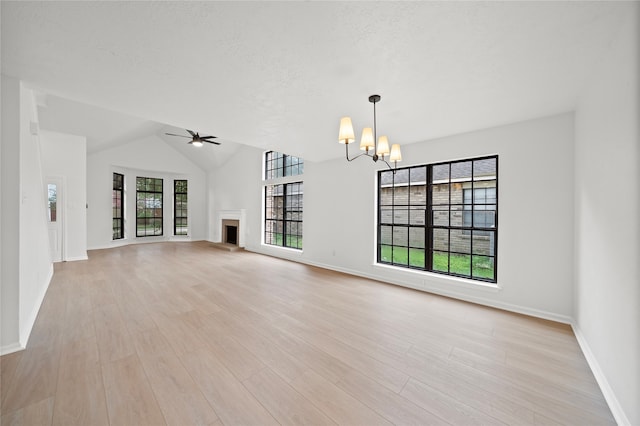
285,172
156,218
278,165
176,208
388,214
288,235
117,193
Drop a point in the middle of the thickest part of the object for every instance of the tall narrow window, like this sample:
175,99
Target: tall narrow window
180,207
283,200
148,206
441,218
117,198
283,215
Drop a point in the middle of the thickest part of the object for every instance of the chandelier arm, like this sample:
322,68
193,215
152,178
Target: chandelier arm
393,169
346,150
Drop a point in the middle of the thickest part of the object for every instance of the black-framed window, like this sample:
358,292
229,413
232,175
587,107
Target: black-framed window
180,207
441,218
117,203
283,215
278,165
148,206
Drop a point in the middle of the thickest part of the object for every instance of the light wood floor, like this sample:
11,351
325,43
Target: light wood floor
181,333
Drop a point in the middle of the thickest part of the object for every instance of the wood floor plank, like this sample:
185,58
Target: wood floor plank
130,400
284,403
35,378
182,333
334,402
179,397
80,399
232,402
445,406
35,414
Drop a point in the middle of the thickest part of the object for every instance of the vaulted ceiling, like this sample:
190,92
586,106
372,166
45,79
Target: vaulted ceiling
279,75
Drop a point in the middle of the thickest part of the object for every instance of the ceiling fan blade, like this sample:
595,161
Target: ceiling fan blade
173,134
191,133
208,137
213,142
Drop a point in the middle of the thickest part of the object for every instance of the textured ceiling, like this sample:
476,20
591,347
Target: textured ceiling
279,75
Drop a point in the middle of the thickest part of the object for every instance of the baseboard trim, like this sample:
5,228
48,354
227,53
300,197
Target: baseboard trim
11,348
76,258
25,332
551,316
456,295
609,395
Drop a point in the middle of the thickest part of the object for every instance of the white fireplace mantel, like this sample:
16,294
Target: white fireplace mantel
240,215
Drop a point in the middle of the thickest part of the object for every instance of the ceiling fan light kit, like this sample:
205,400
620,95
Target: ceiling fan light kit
376,148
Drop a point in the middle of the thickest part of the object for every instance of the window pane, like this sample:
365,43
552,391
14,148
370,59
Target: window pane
52,190
440,173
416,257
400,255
486,167
440,239
460,264
483,267
385,253
417,216
400,236
440,216
400,216
440,261
386,233
459,242
440,194
461,170
416,237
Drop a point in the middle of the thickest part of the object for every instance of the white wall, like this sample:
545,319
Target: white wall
149,157
535,240
26,262
10,195
65,156
607,212
237,185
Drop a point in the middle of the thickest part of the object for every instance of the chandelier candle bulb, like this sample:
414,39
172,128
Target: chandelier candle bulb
395,155
383,146
366,143
346,135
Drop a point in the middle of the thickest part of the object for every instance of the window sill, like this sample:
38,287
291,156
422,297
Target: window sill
437,282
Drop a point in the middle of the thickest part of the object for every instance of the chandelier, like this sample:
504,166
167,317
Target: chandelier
373,147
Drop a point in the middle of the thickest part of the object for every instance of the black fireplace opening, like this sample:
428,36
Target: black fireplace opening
232,234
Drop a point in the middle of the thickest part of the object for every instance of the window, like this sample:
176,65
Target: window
283,200
279,165
52,201
148,206
118,206
180,207
440,218
283,215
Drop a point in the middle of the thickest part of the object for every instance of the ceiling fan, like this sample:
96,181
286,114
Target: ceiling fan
196,139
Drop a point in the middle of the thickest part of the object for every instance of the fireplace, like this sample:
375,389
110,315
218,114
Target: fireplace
230,234
230,227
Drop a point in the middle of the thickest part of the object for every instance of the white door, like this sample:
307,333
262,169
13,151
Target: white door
53,190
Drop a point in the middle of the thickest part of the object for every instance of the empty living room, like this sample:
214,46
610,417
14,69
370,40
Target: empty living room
354,213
